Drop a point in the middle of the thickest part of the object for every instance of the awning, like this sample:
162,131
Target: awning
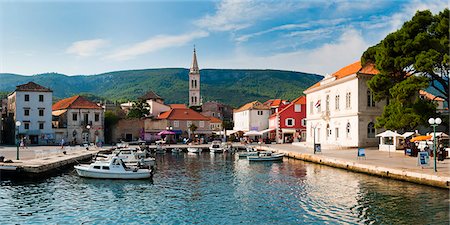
389,133
421,138
252,133
287,131
267,130
407,134
230,132
58,112
202,132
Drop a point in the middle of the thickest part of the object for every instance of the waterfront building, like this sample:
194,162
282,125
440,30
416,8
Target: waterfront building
155,103
341,111
215,124
217,110
276,104
289,123
251,116
129,129
194,83
78,120
31,104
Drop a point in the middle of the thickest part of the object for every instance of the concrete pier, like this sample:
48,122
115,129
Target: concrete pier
394,165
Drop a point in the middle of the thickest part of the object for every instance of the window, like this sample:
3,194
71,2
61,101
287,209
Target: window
336,102
86,118
195,83
105,167
298,108
348,98
188,123
27,98
370,101
290,122
371,130
27,126
327,106
41,126
260,112
201,124
176,123
26,112
97,117
41,112
348,129
318,106
311,107
97,167
336,131
192,85
41,98
74,116
304,122
328,131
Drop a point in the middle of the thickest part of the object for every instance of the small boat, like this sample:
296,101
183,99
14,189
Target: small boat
132,156
160,149
266,156
216,147
112,169
194,149
245,154
176,150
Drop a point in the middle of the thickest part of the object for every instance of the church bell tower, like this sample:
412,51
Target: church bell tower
194,83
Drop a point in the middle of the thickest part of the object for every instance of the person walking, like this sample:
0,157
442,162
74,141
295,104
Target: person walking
62,143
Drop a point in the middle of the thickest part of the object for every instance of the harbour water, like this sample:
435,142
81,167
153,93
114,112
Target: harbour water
221,189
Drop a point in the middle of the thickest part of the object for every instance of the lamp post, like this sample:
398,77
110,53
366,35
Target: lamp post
88,127
434,123
18,123
169,128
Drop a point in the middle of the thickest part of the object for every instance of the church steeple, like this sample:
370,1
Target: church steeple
194,82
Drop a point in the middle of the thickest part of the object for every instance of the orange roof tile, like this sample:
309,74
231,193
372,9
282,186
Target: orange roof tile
351,69
252,105
178,106
215,120
300,100
31,86
75,102
182,114
430,96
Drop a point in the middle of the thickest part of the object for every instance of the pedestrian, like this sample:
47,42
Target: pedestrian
62,143
22,143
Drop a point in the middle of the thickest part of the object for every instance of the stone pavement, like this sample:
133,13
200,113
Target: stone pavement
33,152
376,162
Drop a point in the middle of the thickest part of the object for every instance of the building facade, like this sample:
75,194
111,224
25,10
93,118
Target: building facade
341,111
251,116
155,103
31,104
194,83
289,123
217,110
78,121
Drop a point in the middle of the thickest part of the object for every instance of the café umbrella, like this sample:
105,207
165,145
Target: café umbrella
165,132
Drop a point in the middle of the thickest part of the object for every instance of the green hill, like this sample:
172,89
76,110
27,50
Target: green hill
234,87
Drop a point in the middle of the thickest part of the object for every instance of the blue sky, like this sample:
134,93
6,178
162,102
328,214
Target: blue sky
91,37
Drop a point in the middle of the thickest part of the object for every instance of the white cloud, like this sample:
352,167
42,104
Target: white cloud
232,15
156,43
327,58
86,47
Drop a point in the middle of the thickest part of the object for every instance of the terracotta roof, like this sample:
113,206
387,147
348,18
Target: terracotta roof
150,95
252,105
351,69
430,96
31,86
182,114
75,102
215,120
178,106
275,102
300,100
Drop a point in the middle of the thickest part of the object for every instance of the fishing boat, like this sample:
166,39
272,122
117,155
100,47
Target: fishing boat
112,169
266,156
194,149
216,147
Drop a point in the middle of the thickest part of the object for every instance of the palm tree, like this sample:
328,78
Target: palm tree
192,128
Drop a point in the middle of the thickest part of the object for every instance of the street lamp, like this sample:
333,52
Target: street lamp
18,123
88,127
434,123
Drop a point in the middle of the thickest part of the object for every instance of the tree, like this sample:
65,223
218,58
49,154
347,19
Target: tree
111,119
193,128
410,59
139,109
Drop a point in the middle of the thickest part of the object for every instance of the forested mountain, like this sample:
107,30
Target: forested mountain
234,87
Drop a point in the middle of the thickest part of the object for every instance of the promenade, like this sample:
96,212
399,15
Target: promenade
391,165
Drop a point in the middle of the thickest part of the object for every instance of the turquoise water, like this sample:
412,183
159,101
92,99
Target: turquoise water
221,189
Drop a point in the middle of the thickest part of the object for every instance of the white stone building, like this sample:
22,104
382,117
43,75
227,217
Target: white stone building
251,116
341,111
155,103
31,104
78,120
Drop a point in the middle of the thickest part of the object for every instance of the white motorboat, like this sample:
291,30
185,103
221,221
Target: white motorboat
266,156
132,156
194,149
160,149
216,147
176,150
112,169
245,154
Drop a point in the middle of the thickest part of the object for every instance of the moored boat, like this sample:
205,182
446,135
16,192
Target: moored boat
176,150
266,156
216,147
112,169
194,149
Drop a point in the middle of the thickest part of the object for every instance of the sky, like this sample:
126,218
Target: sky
92,37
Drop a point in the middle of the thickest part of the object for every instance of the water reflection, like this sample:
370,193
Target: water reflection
222,189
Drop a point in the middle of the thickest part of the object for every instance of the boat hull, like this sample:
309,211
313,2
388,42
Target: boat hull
83,171
266,158
194,150
246,154
216,150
